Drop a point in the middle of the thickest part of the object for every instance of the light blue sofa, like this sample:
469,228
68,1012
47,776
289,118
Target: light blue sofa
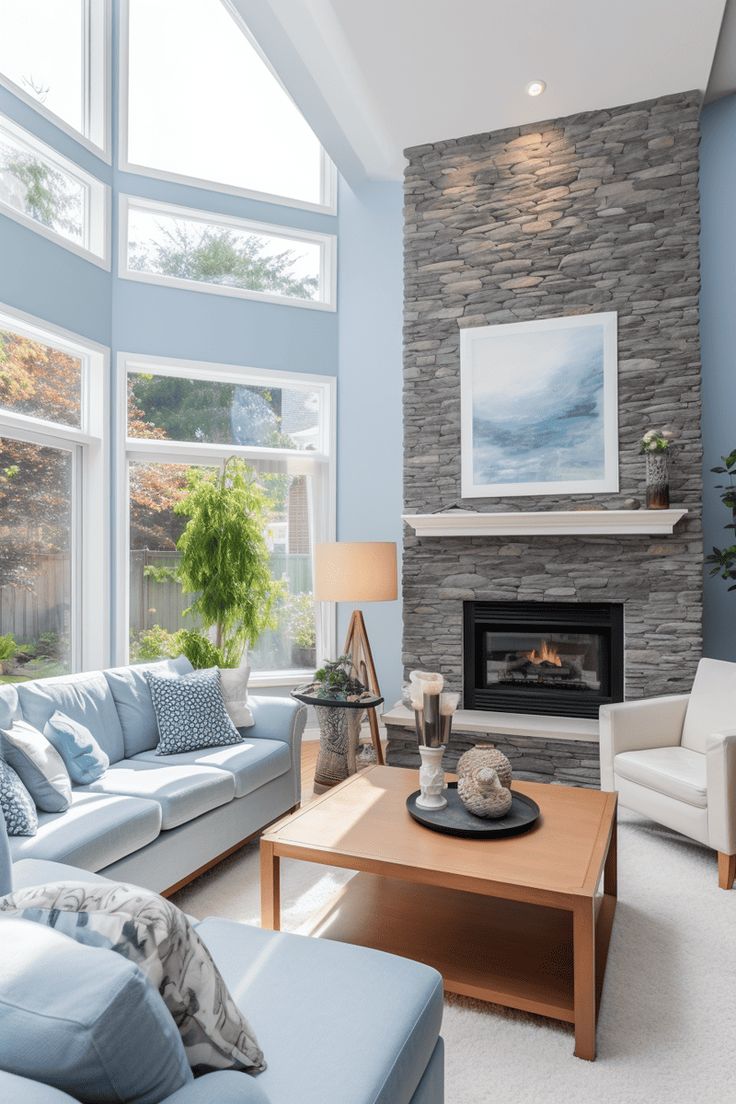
157,820
338,1024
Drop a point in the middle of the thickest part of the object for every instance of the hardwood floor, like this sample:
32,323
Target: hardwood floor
309,761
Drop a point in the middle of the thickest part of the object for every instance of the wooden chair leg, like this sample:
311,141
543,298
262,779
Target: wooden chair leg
726,870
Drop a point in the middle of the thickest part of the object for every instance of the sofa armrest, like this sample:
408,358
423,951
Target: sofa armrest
277,719
222,1086
638,726
720,769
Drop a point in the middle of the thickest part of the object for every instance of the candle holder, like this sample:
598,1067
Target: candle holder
433,712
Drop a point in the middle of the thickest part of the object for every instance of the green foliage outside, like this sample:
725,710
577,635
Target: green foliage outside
8,648
221,256
224,564
723,560
47,197
296,619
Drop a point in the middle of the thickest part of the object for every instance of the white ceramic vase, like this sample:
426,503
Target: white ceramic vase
431,778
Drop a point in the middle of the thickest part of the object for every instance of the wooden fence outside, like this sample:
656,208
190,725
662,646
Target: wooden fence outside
44,607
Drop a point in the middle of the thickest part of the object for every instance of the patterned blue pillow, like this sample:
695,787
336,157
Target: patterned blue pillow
190,712
21,818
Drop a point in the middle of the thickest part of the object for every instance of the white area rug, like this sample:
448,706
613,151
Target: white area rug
667,1028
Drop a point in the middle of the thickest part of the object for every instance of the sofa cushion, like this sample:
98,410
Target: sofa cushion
252,764
22,1090
94,832
84,1020
712,704
83,757
32,872
183,792
132,697
675,771
9,705
85,698
190,712
272,975
16,804
162,942
39,766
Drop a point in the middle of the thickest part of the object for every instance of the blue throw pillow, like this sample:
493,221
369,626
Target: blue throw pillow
190,712
39,766
21,818
83,757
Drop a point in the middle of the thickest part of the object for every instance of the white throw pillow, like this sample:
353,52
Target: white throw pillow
38,765
234,683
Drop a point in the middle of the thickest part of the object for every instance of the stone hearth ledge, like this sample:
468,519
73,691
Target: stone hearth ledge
490,722
467,523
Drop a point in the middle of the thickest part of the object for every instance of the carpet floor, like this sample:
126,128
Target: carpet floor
667,1027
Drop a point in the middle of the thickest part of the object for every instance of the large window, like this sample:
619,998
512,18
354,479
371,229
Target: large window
43,190
54,54
188,248
182,416
53,542
203,104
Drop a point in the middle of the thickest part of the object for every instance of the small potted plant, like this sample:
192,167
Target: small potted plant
655,445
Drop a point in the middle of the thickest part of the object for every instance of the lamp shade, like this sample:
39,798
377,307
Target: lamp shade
355,571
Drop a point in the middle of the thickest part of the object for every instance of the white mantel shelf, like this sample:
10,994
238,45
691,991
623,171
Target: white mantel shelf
466,523
506,724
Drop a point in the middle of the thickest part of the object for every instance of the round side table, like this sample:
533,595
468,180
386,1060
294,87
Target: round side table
339,731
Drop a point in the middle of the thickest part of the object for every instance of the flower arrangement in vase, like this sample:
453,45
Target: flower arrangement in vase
655,445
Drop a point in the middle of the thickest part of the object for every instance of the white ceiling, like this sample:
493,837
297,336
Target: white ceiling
376,76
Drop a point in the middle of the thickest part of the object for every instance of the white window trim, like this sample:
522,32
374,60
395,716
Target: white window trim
326,242
320,464
90,546
97,81
98,208
328,206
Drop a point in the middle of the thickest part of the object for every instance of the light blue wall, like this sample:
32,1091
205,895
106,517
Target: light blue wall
369,495
718,336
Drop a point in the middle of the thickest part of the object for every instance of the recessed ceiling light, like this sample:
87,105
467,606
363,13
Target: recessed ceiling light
535,88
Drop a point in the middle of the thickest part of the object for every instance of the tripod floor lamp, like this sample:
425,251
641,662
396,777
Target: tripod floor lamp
358,571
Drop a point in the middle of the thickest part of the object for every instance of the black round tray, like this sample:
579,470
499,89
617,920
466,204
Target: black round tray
455,820
335,703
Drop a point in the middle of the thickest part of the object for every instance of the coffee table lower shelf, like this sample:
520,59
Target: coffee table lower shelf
506,952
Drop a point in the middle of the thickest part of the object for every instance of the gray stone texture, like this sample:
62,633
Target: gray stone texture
595,212
567,762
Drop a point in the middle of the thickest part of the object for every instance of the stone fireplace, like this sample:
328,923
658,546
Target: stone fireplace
595,212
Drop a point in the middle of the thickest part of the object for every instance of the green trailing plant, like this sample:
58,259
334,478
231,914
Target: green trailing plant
336,679
224,564
723,560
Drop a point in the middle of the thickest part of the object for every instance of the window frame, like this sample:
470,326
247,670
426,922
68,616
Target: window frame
88,444
97,84
328,171
327,243
97,208
320,465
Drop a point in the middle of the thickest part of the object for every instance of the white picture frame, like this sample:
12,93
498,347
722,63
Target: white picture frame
539,407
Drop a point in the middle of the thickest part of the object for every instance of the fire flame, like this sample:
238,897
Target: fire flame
546,654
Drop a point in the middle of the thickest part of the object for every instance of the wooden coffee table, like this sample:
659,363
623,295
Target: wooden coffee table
520,922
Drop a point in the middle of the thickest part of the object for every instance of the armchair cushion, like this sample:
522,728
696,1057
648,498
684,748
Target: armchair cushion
712,706
675,771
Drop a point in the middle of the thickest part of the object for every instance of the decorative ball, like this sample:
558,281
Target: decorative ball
482,794
485,755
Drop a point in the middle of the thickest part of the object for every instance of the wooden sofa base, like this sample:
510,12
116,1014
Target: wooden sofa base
223,855
726,870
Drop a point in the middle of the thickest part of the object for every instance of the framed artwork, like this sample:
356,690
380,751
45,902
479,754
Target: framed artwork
539,407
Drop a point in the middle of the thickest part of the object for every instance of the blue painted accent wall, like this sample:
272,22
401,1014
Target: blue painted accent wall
718,337
370,459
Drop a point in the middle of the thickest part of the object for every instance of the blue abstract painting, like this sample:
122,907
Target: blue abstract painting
539,407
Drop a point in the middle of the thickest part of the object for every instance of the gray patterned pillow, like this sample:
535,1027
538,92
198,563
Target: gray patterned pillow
190,712
20,814
157,936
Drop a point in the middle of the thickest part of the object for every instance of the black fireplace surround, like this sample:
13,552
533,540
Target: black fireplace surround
559,658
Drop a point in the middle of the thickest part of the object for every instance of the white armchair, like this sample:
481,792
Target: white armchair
674,759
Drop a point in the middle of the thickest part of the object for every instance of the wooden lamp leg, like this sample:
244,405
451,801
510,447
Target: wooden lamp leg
358,646
726,870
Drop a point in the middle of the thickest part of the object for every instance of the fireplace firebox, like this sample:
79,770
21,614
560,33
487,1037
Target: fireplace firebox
559,658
